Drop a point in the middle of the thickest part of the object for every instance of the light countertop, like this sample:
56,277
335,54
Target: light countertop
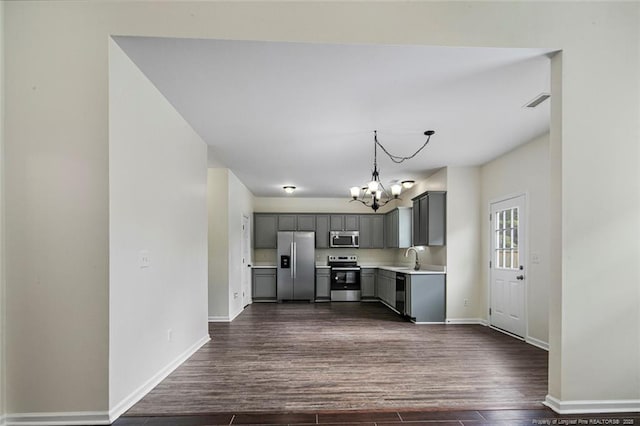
424,270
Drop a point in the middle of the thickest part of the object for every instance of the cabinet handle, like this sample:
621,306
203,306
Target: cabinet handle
520,277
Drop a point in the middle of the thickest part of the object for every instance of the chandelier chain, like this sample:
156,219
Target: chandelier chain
398,158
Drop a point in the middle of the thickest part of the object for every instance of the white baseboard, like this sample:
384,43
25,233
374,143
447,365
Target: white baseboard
234,316
478,321
538,343
59,419
219,318
506,332
592,406
224,318
139,393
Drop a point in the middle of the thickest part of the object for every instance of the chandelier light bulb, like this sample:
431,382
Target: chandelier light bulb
355,192
373,186
378,195
396,190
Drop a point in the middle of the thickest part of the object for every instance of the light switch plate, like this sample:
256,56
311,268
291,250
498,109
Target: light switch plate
144,259
535,258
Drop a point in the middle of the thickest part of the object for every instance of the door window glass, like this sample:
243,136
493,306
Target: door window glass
506,239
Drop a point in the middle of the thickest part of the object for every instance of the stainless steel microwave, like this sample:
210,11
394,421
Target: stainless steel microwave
344,239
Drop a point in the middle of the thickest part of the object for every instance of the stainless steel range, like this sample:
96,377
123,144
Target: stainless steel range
345,278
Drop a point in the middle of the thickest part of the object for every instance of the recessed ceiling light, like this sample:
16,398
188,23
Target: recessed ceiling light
289,189
538,100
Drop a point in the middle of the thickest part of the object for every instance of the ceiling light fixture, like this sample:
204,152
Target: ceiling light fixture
408,184
289,189
374,194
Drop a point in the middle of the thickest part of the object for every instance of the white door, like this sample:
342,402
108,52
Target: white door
508,276
246,261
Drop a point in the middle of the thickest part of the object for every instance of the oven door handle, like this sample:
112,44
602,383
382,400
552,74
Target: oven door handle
344,269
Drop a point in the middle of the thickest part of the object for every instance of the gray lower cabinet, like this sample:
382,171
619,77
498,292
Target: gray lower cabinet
425,297
429,219
265,232
387,287
323,284
368,283
371,231
264,285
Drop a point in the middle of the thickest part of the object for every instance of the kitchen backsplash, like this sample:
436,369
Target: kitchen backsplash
431,256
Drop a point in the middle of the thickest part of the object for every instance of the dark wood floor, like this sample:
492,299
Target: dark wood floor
355,364
349,356
381,418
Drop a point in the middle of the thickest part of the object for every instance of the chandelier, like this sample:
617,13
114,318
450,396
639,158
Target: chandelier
374,194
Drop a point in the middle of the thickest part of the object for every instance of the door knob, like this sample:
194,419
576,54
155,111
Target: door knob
520,277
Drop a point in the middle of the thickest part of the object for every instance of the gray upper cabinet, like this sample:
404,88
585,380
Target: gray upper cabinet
267,225
352,222
437,229
265,232
365,231
378,231
390,231
429,218
371,231
322,231
346,222
336,222
287,222
306,222
397,228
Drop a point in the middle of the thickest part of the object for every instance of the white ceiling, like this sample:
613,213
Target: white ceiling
303,114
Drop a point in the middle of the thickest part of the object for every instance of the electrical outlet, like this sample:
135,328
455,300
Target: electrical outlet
235,295
169,332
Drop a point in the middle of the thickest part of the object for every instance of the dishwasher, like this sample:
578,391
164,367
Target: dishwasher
401,287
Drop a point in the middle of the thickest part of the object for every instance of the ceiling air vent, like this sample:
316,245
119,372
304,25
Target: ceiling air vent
538,100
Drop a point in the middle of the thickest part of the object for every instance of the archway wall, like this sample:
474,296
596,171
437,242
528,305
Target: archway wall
56,100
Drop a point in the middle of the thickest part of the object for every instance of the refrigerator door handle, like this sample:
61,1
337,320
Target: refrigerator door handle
295,259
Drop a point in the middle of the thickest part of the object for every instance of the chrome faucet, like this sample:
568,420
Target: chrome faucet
415,250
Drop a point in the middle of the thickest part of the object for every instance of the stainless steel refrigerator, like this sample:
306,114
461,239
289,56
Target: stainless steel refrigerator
296,266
